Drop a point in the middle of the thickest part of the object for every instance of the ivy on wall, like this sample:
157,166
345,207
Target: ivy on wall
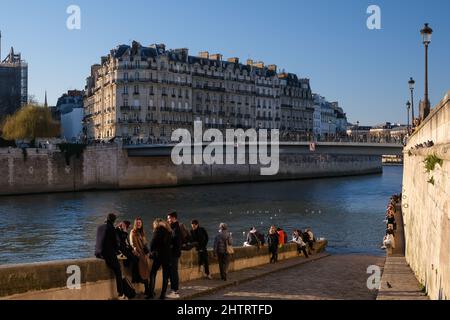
430,163
71,149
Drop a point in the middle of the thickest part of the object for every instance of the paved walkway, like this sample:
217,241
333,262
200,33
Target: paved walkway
340,277
203,288
398,281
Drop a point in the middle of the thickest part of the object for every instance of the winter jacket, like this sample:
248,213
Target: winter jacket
272,241
175,243
160,245
107,243
221,241
200,238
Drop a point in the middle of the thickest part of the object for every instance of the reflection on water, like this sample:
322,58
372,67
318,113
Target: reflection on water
347,211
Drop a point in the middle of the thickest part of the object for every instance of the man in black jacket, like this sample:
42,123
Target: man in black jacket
199,238
175,254
107,248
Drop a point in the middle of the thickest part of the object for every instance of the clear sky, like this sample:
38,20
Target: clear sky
324,40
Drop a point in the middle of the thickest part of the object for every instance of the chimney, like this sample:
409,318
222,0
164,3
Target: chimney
249,62
272,67
204,54
233,60
259,64
216,56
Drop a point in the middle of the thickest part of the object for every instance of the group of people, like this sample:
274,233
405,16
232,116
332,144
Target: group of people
146,257
277,238
391,224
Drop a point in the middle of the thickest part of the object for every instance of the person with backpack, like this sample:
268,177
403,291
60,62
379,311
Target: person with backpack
199,238
175,254
107,248
160,252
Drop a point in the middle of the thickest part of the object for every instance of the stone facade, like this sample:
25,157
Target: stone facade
141,94
426,202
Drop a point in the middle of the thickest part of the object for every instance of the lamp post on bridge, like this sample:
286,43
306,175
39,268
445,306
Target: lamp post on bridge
408,106
357,131
411,84
426,39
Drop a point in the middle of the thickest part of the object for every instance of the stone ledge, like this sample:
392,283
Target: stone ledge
441,150
48,280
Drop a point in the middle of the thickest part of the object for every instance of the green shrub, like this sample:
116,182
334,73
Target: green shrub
431,161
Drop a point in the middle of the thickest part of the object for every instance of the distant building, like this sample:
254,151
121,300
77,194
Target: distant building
70,109
329,119
13,83
142,94
358,133
388,133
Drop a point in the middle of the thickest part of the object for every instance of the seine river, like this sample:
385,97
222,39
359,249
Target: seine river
348,211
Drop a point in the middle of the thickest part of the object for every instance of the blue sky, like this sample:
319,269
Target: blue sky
325,40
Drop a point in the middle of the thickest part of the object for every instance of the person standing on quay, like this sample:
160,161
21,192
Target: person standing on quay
160,251
281,237
301,245
199,238
175,254
139,243
272,241
221,242
107,248
132,261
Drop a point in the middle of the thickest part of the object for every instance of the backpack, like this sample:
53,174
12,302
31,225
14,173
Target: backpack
260,237
185,238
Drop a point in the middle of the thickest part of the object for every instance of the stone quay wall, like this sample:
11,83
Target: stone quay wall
48,280
426,203
110,167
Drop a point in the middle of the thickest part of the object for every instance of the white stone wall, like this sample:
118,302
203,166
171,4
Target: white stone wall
426,208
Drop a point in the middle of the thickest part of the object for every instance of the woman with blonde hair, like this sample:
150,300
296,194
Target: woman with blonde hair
139,244
160,252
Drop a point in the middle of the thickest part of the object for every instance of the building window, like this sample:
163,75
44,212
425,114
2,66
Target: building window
136,76
136,89
125,90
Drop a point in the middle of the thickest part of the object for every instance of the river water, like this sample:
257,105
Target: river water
348,211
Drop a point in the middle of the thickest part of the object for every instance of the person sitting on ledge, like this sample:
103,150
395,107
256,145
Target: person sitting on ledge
301,245
107,248
252,238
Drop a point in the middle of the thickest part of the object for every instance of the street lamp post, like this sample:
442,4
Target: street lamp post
411,84
357,131
426,39
408,106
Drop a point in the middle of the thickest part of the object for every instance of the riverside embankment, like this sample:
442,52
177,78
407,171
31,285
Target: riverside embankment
112,167
426,201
